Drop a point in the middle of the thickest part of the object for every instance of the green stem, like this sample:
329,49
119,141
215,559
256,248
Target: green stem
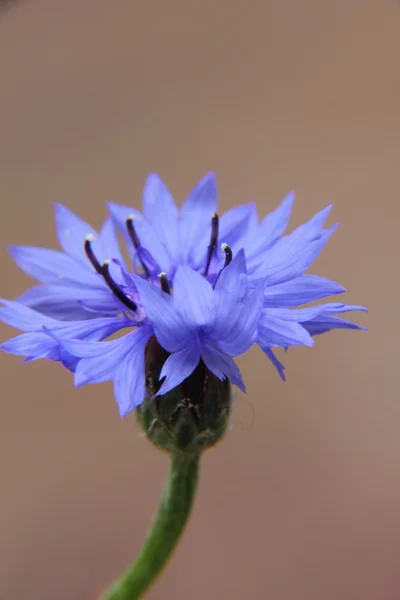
168,524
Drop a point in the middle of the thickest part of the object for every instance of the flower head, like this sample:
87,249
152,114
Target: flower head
204,302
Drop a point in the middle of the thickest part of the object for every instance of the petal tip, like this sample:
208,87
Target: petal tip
13,249
58,207
289,198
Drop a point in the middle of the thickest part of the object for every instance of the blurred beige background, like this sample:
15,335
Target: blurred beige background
302,499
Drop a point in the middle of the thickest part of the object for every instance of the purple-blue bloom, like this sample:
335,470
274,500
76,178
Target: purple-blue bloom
207,288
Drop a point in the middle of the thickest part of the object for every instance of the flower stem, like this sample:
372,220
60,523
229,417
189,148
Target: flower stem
167,527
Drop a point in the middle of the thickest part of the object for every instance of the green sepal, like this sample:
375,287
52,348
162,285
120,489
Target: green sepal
191,417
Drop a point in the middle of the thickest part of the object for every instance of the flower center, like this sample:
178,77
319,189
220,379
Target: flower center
142,254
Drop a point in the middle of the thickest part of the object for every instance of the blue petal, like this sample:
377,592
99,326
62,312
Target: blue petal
84,348
160,210
100,360
240,335
277,364
72,232
285,261
56,354
34,345
222,365
326,323
274,224
109,243
93,329
273,331
22,317
51,266
150,242
312,230
237,311
306,314
39,345
196,212
231,285
70,303
300,290
129,378
235,225
68,361
178,367
294,243
145,258
194,298
170,329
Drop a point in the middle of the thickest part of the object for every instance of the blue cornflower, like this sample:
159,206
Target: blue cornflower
203,301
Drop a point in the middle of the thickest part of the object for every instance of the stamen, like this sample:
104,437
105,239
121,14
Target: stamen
228,258
136,242
213,241
164,282
132,231
105,271
90,254
228,254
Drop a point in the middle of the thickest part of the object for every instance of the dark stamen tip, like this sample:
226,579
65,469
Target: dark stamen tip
214,228
114,287
164,282
213,240
136,241
228,254
131,230
90,254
